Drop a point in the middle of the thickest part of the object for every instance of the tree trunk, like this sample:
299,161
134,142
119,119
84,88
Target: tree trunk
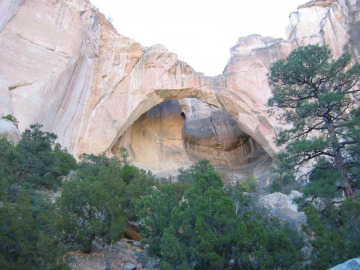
88,246
339,161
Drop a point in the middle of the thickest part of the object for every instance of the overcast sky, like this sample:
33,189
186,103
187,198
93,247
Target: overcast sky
200,32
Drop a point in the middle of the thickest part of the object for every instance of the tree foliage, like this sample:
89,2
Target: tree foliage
97,198
28,220
91,204
96,203
334,239
155,212
193,224
42,160
29,237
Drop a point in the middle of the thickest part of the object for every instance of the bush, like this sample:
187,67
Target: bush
92,205
42,161
11,118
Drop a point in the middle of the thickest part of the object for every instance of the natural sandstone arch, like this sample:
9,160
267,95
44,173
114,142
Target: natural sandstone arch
117,119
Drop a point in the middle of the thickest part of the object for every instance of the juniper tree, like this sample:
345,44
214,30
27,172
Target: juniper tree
92,204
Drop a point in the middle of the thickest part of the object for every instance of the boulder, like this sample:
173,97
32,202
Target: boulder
9,131
129,266
282,207
132,232
353,264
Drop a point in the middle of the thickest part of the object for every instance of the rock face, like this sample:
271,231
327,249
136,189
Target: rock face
335,23
154,141
282,207
9,131
176,134
120,255
331,22
80,79
65,67
353,264
211,133
247,69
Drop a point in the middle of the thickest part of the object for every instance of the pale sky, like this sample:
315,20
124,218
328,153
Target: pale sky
200,32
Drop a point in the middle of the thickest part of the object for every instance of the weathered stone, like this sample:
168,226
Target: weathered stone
213,134
282,207
9,131
353,264
247,69
176,134
129,266
80,79
136,243
5,100
132,232
7,11
112,256
326,22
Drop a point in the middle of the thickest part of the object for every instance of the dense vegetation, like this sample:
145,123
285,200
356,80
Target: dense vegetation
50,203
317,97
191,224
205,231
29,236
98,196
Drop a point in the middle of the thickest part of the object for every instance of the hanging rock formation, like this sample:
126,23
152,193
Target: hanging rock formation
64,66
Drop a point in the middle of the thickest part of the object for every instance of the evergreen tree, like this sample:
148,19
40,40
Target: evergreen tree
316,96
29,237
154,212
136,188
92,204
29,233
42,162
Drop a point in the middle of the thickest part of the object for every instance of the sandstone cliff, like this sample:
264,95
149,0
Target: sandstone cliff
64,66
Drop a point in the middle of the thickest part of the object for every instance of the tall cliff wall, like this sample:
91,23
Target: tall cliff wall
64,66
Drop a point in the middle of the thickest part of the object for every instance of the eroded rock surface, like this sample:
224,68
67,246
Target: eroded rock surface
9,131
353,264
65,67
331,22
68,69
283,208
155,142
176,134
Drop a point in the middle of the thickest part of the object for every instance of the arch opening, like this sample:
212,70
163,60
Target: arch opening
178,133
117,119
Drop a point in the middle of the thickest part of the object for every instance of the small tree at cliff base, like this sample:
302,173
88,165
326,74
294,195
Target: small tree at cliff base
92,204
43,162
316,96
